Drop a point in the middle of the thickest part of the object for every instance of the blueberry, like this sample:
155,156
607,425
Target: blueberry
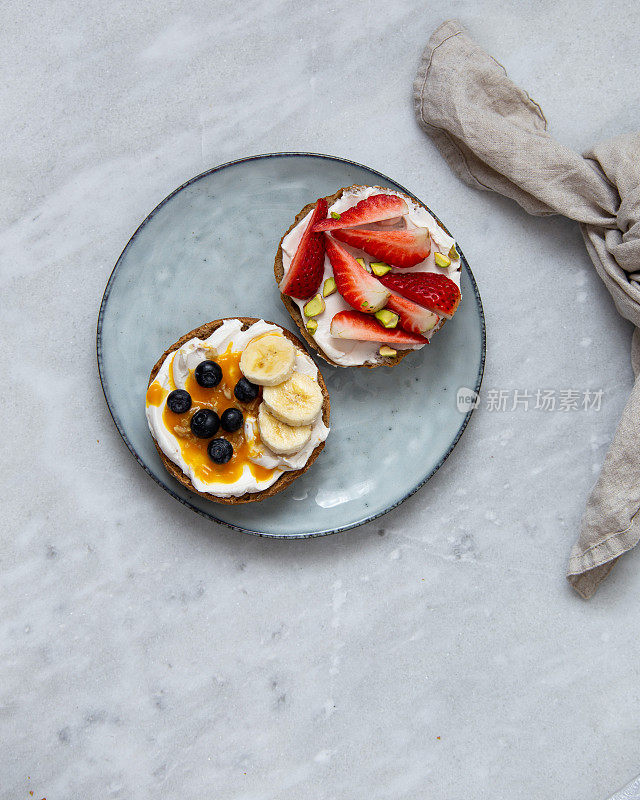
208,374
179,401
205,423
246,391
231,420
220,450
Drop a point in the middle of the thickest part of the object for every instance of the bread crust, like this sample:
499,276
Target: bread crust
287,478
292,308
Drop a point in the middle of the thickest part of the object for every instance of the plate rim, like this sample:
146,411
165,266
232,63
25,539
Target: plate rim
168,489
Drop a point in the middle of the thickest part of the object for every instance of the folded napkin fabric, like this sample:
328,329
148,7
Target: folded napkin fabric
494,137
629,792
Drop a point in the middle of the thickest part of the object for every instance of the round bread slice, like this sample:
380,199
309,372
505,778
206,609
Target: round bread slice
292,308
287,478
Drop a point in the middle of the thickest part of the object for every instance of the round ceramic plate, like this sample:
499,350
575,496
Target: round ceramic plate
207,252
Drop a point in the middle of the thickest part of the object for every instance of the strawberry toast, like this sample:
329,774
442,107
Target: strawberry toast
367,274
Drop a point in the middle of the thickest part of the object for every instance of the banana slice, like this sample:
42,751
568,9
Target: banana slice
268,360
296,401
280,438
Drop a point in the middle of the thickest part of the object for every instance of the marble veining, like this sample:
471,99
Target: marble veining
436,652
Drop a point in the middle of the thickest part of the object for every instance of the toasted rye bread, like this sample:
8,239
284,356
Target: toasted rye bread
287,478
292,308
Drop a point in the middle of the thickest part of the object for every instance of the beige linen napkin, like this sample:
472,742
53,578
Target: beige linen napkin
494,137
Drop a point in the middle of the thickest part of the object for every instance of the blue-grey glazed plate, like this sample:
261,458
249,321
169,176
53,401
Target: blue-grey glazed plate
207,252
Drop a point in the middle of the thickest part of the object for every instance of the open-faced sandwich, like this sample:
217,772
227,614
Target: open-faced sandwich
237,410
368,275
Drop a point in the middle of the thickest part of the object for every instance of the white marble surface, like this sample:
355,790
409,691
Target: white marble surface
437,652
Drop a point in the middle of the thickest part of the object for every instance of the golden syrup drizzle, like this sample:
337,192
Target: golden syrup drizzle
156,394
193,449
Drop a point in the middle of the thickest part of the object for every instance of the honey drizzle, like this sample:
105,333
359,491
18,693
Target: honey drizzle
219,398
156,394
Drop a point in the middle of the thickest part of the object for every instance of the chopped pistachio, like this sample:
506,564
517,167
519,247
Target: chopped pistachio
453,253
379,268
387,318
361,262
387,352
314,307
335,215
312,326
442,261
329,287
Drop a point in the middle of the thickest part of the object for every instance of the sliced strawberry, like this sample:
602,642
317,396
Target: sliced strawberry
413,318
364,328
434,291
372,209
400,248
360,289
307,265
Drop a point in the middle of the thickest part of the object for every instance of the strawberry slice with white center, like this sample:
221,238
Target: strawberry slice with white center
364,328
413,318
376,208
404,248
307,265
433,290
360,289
